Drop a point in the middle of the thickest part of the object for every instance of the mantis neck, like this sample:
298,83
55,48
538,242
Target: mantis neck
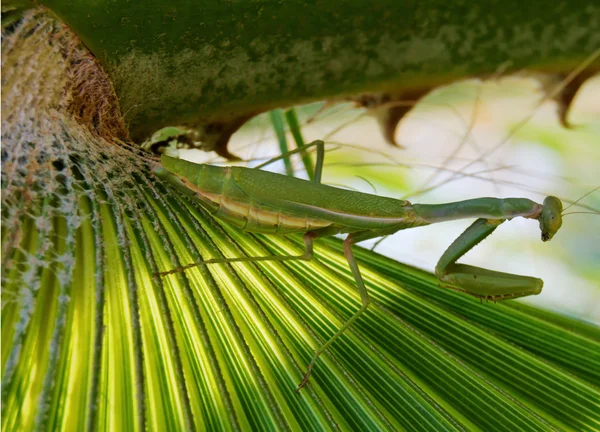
488,208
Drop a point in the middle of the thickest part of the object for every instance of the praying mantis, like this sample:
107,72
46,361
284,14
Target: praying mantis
264,202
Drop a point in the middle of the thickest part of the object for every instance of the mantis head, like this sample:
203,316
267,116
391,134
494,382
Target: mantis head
551,217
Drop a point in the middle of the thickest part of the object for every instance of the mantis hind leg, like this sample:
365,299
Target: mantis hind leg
318,165
308,237
480,282
306,256
364,296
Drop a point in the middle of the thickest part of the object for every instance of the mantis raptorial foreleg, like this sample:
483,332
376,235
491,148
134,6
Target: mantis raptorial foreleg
476,281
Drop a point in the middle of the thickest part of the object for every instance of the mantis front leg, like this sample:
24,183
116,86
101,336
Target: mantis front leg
476,281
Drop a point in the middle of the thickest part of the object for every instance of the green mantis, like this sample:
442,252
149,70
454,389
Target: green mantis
260,201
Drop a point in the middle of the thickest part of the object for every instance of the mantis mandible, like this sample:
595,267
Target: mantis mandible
264,202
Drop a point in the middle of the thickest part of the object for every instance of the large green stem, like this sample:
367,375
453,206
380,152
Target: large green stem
182,61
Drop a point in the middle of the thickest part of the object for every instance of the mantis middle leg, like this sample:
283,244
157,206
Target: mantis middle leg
480,282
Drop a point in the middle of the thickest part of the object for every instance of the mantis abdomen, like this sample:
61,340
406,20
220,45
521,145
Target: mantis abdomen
259,201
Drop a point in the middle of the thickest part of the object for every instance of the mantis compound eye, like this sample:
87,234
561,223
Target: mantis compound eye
551,217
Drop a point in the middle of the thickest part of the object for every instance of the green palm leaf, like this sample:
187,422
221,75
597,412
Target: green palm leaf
92,339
